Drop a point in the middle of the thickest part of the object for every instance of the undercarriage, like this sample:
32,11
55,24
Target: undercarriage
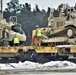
67,36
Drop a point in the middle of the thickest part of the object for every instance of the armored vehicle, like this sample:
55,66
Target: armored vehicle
61,30
8,30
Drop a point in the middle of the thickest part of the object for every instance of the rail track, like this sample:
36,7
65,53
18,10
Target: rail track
12,60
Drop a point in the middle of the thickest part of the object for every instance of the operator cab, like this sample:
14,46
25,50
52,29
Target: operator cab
17,29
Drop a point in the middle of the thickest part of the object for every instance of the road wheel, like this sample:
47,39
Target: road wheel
70,33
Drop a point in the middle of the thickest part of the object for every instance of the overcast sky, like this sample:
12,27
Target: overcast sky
43,3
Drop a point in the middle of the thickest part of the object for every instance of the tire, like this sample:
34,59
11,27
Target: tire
70,33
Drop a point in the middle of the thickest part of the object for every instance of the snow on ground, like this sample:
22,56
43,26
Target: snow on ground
37,66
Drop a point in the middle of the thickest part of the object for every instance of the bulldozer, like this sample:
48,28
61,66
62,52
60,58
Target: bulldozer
58,38
61,30
8,30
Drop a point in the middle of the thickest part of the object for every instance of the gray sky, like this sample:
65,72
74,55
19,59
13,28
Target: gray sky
43,3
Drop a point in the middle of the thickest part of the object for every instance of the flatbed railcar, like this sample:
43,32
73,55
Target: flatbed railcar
37,54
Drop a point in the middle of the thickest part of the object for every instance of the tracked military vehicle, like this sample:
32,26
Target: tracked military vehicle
61,30
8,30
58,38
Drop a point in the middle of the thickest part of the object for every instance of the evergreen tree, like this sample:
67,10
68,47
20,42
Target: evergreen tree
28,6
13,6
37,8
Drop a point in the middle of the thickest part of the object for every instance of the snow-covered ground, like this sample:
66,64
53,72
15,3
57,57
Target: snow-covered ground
37,66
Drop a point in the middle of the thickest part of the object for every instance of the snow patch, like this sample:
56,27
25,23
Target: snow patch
37,66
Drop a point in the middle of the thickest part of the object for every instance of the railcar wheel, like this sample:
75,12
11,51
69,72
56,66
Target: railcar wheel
4,58
17,58
61,58
22,56
30,55
38,57
41,58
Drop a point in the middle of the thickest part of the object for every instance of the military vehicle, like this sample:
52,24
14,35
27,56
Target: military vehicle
56,33
8,30
60,30
58,38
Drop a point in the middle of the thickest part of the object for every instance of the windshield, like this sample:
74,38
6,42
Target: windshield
17,29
